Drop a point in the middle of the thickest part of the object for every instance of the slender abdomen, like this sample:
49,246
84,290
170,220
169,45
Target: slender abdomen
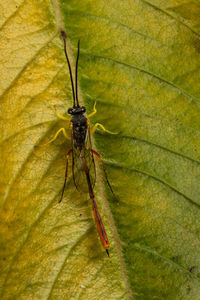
98,220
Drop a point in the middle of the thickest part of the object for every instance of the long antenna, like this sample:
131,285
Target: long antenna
70,71
76,74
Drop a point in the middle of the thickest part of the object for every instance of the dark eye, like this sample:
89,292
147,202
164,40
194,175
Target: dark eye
83,109
70,111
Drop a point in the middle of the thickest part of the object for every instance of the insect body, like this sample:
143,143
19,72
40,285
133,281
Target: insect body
83,165
79,127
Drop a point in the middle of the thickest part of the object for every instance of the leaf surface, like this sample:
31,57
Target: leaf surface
140,61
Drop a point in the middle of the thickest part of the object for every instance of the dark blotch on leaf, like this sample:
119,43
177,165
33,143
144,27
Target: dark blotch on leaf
196,44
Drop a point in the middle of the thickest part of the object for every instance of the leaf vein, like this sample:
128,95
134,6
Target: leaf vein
155,178
26,65
30,229
163,148
81,238
169,261
12,15
193,98
171,16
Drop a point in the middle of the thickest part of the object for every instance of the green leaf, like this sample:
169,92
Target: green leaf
140,61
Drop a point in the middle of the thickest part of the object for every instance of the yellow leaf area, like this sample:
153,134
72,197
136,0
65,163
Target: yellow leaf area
47,250
185,11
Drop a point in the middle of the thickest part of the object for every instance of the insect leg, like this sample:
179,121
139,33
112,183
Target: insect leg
102,127
57,133
60,116
102,164
66,170
94,111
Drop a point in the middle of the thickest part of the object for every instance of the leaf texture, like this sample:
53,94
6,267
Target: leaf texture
140,61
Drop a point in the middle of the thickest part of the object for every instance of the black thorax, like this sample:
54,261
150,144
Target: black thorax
79,128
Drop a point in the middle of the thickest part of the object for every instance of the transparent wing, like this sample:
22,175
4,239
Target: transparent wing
92,161
79,159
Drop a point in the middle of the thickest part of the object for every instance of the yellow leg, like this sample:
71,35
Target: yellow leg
102,127
94,111
60,116
57,133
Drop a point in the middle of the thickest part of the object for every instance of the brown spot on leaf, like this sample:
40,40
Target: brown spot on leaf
197,45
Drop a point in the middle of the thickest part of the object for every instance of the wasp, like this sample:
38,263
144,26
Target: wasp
83,164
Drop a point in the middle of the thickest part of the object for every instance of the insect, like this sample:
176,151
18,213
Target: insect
83,164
